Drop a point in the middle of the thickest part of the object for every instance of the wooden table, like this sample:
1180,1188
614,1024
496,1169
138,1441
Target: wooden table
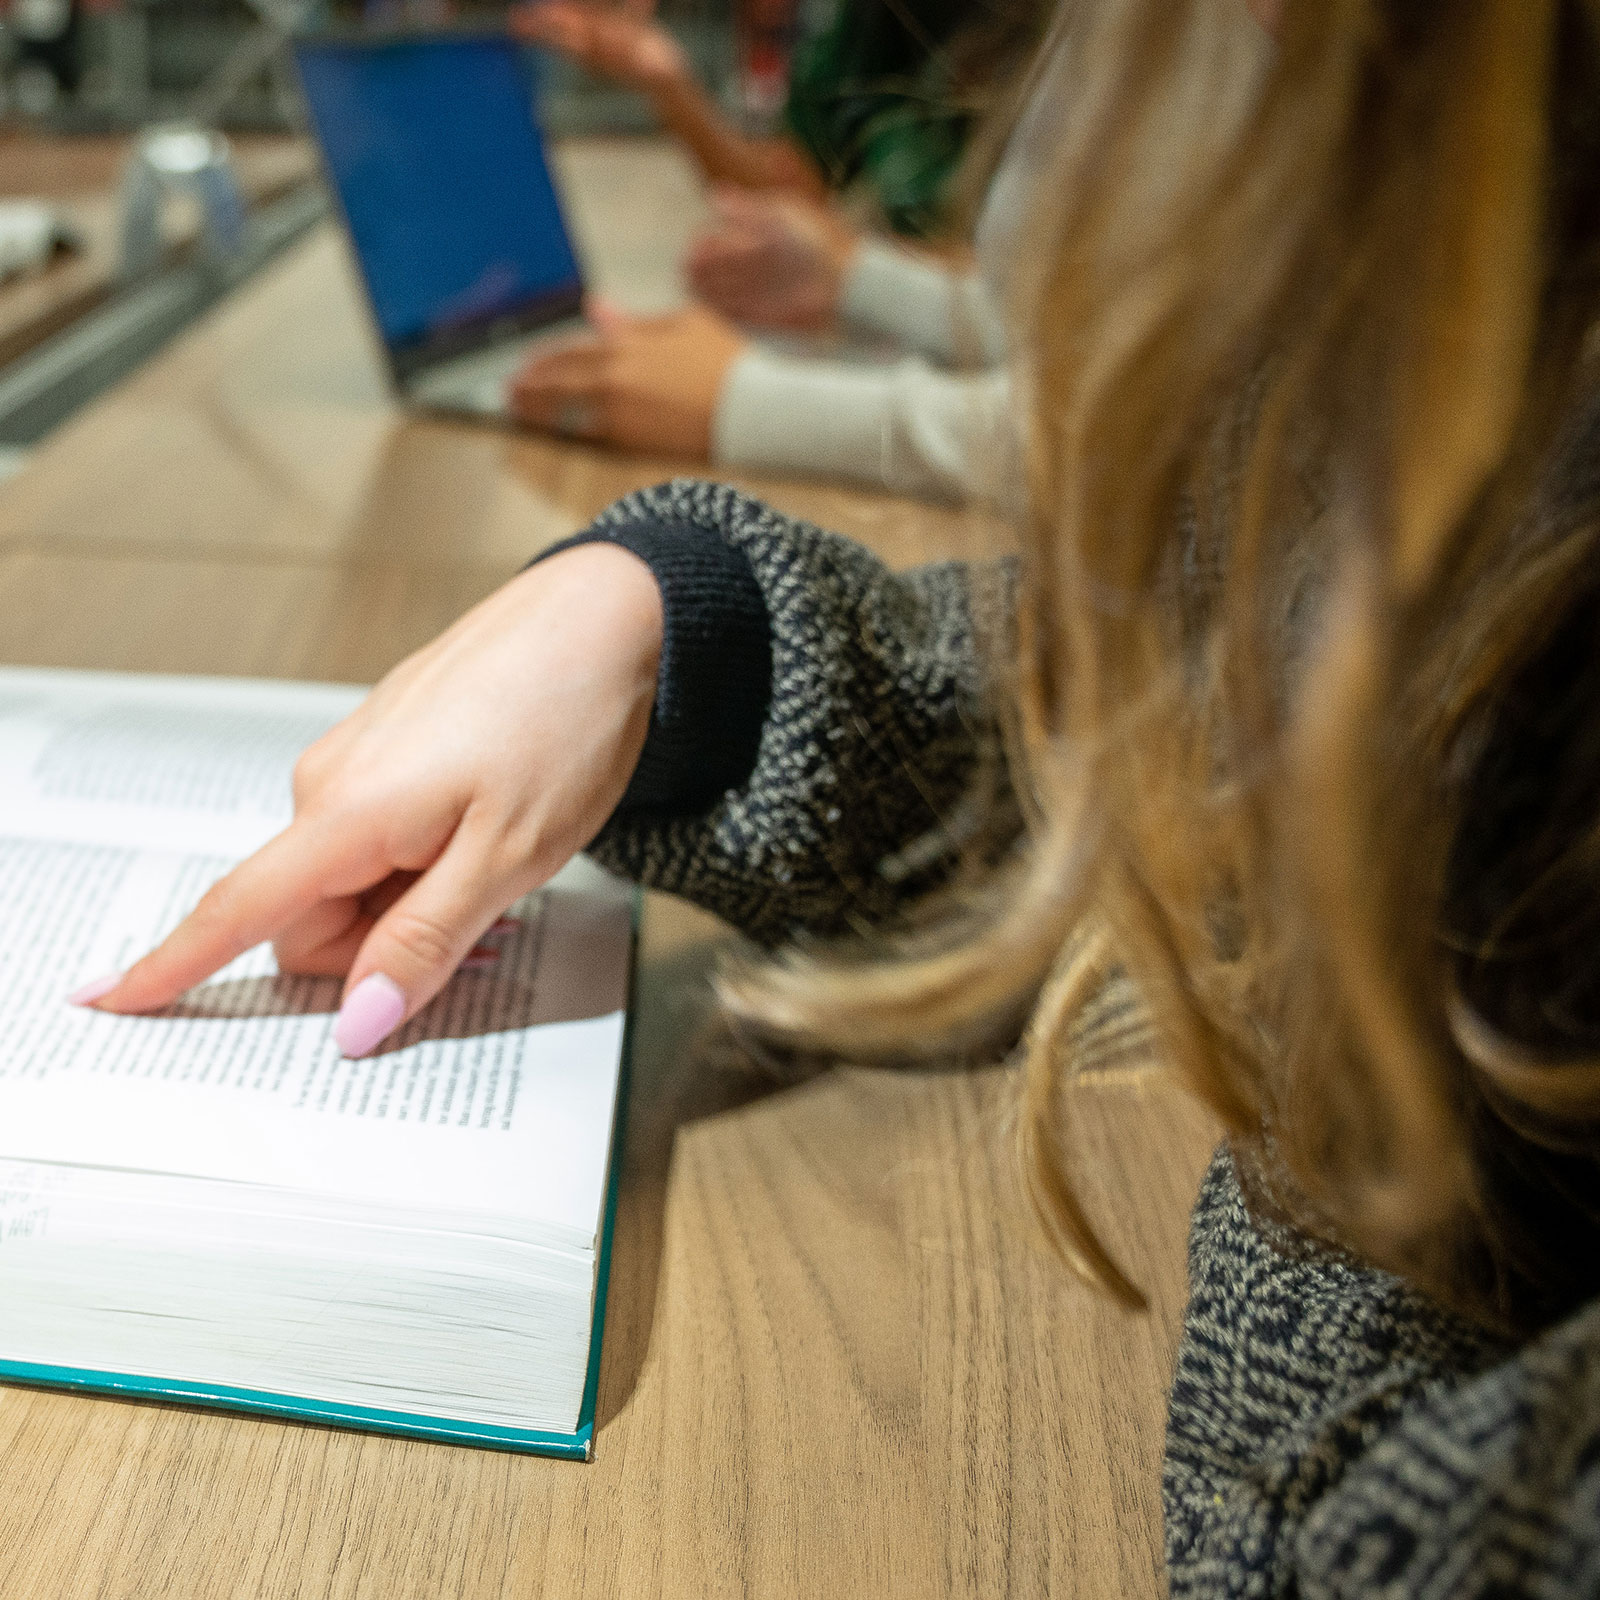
80,177
836,1362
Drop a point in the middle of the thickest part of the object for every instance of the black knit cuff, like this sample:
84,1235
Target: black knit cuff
715,680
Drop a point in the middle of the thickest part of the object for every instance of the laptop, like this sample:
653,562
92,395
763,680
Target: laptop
432,149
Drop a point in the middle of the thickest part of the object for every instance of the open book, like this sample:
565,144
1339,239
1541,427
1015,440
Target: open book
210,1204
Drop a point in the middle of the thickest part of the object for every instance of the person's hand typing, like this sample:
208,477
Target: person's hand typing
641,383
772,260
469,776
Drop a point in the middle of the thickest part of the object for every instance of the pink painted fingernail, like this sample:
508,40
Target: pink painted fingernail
504,925
90,992
370,1013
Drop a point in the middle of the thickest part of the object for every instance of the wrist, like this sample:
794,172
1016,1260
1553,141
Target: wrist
713,673
844,255
611,587
668,80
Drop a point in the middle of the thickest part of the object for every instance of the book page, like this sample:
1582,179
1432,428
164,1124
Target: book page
497,1099
190,764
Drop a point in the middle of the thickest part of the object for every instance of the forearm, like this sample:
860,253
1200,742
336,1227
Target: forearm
939,311
724,154
904,428
873,745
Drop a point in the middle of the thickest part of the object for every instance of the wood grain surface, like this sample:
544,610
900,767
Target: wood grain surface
837,1362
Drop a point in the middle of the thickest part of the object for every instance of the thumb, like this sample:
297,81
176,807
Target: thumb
417,944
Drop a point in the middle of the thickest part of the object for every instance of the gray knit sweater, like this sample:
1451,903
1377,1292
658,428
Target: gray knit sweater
1331,1433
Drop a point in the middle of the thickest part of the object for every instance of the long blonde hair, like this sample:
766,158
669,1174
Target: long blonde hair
1308,649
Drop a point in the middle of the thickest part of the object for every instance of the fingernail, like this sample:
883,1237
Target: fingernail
370,1013
480,960
90,992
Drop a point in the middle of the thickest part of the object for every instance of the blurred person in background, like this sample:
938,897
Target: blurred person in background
934,423
924,411
883,98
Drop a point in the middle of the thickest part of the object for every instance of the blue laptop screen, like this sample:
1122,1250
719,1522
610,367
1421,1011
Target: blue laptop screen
441,172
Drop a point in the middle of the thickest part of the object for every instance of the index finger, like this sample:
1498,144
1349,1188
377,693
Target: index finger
280,882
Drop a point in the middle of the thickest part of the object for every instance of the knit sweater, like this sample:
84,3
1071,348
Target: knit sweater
1331,1433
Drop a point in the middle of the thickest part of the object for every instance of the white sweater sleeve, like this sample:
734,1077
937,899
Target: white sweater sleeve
948,316
906,428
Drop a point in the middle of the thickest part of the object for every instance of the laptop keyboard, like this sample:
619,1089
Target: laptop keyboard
476,382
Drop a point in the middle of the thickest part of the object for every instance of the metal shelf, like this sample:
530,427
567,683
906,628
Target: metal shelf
41,389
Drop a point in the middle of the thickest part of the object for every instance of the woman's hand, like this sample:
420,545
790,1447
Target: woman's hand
468,777
772,260
624,44
642,383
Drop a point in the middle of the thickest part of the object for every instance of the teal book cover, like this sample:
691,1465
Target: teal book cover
577,1445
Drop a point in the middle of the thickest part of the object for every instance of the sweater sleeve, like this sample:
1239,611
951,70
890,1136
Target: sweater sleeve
936,311
1333,1435
877,729
903,427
